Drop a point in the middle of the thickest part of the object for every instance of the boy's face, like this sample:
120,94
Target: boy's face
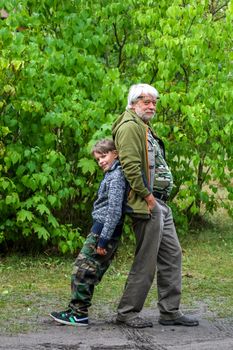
105,160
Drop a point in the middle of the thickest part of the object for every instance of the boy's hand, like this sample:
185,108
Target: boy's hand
101,251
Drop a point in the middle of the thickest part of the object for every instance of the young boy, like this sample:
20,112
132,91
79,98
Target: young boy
101,243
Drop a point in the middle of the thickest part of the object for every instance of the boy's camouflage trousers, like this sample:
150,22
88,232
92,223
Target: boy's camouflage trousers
88,271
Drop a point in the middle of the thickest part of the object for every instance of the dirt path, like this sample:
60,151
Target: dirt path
104,334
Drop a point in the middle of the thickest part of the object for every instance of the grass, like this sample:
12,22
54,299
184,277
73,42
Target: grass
207,267
31,287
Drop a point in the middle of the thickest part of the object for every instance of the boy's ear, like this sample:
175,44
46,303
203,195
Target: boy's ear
116,153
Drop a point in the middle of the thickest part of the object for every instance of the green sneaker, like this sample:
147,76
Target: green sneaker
70,318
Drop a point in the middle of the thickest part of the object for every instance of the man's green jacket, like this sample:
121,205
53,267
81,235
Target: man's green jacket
130,134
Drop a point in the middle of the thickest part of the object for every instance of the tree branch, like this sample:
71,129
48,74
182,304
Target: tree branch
120,44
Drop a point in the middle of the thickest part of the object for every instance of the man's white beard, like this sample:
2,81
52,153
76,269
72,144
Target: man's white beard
143,116
147,118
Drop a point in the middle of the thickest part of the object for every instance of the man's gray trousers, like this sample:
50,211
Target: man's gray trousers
157,249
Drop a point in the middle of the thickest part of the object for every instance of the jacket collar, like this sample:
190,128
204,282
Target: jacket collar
115,164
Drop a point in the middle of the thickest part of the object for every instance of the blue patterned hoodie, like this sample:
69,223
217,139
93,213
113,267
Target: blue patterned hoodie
107,211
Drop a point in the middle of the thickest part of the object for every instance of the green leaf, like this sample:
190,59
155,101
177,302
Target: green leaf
29,182
4,183
12,198
87,165
42,209
24,215
14,156
41,231
52,199
52,220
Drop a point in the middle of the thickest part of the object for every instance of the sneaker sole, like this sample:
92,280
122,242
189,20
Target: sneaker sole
68,323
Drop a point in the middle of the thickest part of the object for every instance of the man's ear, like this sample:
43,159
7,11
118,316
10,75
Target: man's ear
132,108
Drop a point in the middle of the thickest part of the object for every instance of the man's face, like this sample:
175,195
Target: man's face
145,107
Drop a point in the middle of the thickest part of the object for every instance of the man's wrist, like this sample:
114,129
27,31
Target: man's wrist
149,197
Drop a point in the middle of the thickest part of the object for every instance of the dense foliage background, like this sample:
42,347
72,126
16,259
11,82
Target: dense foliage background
65,69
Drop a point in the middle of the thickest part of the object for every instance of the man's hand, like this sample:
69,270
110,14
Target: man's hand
151,201
101,251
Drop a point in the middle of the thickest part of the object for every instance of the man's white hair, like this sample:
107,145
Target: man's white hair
137,90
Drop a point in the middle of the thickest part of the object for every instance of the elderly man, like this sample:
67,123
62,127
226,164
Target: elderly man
142,157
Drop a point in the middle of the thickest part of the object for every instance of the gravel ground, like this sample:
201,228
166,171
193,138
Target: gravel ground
212,333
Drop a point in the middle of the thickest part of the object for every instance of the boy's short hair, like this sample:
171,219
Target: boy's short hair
103,146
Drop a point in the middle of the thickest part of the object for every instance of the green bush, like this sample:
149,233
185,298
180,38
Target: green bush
65,71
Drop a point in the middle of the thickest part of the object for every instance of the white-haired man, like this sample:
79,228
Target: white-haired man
142,157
